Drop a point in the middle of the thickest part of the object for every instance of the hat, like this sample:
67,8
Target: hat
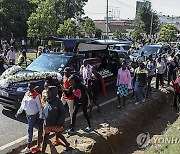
68,70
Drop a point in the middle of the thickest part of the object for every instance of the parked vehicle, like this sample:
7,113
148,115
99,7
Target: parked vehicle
120,47
153,50
107,62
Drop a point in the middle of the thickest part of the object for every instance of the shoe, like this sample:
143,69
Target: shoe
88,129
36,149
137,103
26,150
56,142
119,107
144,100
66,149
71,131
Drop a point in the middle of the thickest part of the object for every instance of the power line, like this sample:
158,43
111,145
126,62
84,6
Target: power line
126,5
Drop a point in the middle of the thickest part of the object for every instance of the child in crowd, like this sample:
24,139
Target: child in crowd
31,104
54,113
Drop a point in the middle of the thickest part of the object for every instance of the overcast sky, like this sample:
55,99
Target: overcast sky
96,9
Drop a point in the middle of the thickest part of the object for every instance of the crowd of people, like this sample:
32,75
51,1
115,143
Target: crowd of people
82,89
47,107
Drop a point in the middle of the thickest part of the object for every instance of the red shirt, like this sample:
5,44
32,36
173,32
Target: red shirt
176,86
66,85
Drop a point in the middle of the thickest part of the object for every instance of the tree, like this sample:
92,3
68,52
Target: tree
14,15
98,33
88,26
69,9
44,21
144,17
68,29
136,35
117,34
168,32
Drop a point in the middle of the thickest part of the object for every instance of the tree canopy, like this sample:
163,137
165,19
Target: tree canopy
144,17
14,15
168,32
68,29
117,34
43,22
88,26
136,35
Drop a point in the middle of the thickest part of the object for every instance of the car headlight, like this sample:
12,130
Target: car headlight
21,89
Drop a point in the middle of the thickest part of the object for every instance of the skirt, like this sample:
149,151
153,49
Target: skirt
48,129
122,90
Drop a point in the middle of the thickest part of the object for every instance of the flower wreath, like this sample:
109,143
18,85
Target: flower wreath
10,78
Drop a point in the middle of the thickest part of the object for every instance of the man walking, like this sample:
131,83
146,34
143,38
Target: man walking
11,56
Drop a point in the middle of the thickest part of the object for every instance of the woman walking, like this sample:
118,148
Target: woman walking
81,95
123,84
54,113
31,104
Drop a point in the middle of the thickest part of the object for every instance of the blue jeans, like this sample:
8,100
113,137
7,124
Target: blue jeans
139,93
32,120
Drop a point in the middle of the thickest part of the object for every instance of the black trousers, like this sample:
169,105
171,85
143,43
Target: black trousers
149,88
159,78
176,98
84,109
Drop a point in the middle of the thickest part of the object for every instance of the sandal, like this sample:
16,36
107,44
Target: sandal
56,142
36,149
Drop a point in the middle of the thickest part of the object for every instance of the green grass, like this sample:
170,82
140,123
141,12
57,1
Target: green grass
30,56
168,148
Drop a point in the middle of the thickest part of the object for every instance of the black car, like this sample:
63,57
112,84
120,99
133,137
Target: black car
107,61
153,50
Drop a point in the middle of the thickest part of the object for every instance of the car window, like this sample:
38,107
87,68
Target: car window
48,63
149,50
117,47
126,47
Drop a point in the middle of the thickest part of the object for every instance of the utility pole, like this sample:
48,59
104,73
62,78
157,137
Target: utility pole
107,18
151,24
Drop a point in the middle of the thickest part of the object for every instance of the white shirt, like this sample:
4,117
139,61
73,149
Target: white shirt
160,68
86,72
10,55
31,106
23,42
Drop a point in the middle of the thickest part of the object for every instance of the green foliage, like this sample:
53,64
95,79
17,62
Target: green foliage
136,35
98,33
144,17
13,17
69,9
68,29
88,26
117,34
43,22
39,14
168,32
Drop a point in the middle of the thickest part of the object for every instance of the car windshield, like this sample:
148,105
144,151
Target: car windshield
48,63
148,50
126,47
